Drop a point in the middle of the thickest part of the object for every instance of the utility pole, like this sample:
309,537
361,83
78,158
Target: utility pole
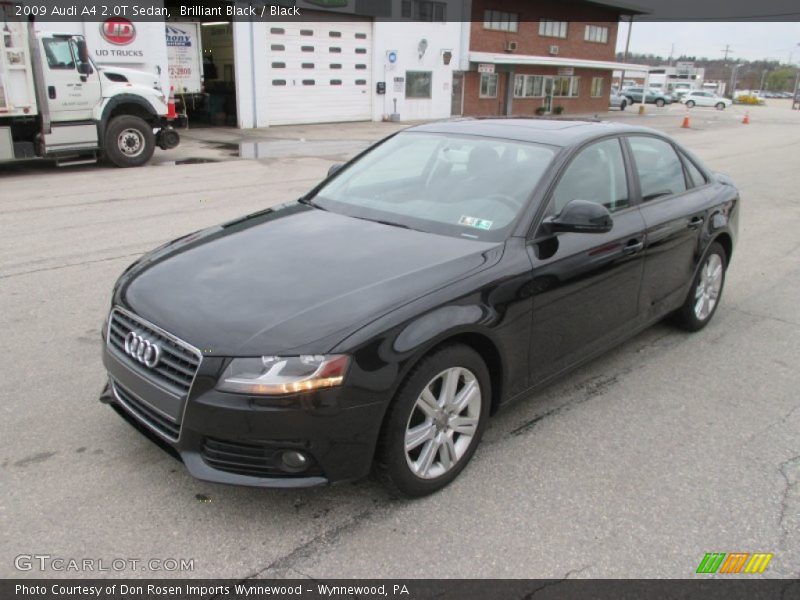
625,54
727,50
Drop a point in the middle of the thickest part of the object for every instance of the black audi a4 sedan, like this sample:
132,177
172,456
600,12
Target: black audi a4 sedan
381,319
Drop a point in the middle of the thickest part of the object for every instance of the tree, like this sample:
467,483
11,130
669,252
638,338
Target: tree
780,79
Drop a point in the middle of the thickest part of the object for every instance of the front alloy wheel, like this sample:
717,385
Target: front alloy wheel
443,423
435,422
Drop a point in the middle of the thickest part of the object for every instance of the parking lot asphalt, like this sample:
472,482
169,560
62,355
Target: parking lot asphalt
670,446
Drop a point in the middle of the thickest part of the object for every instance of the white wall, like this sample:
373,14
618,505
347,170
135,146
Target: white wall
404,38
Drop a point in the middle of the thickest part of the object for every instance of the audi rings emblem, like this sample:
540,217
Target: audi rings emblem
142,350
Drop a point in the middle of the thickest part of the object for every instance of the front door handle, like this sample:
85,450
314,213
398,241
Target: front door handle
695,222
633,246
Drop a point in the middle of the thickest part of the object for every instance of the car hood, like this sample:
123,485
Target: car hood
292,279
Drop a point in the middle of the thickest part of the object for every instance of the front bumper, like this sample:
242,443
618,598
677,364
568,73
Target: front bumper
238,439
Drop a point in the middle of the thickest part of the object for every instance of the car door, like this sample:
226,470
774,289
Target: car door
674,210
71,96
585,286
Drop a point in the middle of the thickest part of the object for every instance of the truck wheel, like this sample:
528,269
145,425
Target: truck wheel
129,141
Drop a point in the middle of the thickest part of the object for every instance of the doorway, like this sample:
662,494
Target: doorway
457,97
548,83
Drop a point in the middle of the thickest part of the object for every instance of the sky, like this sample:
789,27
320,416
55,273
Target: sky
750,41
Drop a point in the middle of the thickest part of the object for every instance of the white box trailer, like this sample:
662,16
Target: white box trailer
185,59
56,102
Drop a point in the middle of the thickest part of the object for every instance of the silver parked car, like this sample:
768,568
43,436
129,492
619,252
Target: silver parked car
616,100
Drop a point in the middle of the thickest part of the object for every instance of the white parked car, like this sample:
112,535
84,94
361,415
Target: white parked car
703,98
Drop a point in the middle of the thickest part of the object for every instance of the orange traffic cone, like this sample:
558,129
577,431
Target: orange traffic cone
746,120
171,112
685,124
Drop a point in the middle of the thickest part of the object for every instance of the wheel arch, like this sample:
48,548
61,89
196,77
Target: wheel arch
724,239
127,104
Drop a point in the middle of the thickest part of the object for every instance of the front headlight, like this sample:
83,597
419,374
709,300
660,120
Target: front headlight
277,375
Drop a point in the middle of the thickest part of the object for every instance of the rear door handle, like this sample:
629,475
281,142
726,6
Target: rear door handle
633,247
695,222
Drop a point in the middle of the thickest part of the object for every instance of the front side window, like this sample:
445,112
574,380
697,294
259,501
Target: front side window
59,53
553,28
488,85
596,174
418,84
658,166
463,186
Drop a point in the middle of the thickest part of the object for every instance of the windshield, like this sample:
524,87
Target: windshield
473,187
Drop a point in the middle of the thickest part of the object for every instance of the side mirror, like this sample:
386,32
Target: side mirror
334,167
85,68
83,51
581,216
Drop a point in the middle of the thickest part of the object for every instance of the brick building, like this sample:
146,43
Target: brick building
526,56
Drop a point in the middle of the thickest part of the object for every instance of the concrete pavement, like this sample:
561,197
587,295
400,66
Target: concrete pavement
671,446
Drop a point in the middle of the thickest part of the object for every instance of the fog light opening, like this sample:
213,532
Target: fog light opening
294,461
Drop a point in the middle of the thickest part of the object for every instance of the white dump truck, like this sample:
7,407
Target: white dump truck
55,102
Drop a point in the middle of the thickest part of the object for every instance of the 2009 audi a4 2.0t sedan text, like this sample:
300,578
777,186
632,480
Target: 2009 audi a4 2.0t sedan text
381,319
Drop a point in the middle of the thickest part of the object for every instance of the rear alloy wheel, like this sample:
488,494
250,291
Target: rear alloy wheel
704,296
689,103
435,422
720,106
659,102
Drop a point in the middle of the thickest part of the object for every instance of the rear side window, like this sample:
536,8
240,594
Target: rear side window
658,166
596,174
696,177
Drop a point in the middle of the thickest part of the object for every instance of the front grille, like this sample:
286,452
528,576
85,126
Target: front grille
148,415
178,362
248,459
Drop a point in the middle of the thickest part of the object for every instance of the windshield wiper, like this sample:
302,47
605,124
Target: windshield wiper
309,202
390,223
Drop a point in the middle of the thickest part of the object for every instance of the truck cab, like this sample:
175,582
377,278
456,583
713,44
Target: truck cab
74,110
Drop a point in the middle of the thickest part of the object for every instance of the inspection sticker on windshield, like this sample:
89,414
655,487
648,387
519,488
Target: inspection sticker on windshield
475,222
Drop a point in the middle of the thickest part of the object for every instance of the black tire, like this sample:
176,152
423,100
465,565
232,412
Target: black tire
134,132
689,103
720,106
660,102
686,317
392,465
622,105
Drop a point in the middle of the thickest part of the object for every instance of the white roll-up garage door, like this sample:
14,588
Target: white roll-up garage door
319,72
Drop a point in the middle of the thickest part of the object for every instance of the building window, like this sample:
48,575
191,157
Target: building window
307,65
335,50
336,34
279,65
306,48
361,36
528,86
277,31
277,47
361,50
336,82
553,28
500,21
595,33
424,10
566,87
336,65
488,85
597,87
306,32
418,84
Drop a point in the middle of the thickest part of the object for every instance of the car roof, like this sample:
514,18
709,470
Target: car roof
553,132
